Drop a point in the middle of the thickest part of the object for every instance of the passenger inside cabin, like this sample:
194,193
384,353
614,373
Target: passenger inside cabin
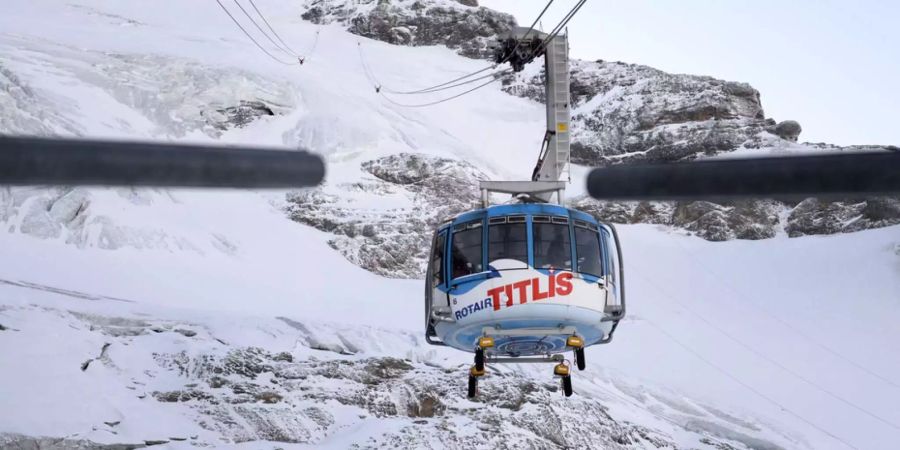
558,250
466,252
461,266
552,246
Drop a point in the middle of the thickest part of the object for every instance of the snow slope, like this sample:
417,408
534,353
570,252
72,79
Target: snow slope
794,338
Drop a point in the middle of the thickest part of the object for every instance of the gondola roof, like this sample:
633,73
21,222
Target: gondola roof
519,208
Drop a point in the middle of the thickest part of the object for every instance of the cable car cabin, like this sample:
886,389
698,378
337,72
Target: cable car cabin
527,275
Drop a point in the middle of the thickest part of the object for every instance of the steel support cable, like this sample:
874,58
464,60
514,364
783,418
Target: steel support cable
732,377
277,36
435,87
496,74
366,70
314,45
771,361
294,53
233,19
525,36
379,86
421,105
748,302
565,20
258,27
745,385
556,30
530,29
784,368
508,57
562,23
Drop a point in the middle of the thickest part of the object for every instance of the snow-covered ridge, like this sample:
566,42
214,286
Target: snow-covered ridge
172,97
389,240
188,282
154,369
630,113
458,24
190,379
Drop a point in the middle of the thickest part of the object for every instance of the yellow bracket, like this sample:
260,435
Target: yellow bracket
575,341
475,372
561,370
485,342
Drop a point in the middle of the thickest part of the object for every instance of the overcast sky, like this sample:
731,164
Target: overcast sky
832,66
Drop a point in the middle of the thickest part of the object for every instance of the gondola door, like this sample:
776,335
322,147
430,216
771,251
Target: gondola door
614,272
436,279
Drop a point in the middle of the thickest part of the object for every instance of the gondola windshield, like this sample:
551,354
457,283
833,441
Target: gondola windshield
467,253
508,241
587,249
552,245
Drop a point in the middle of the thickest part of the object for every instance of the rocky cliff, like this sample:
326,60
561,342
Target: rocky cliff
624,113
390,241
460,25
207,318
628,113
273,382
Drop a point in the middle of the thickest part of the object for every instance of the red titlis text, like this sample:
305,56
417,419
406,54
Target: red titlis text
531,290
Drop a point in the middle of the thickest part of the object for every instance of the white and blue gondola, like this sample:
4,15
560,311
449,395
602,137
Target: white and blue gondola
523,280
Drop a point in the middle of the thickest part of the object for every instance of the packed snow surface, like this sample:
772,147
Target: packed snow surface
797,339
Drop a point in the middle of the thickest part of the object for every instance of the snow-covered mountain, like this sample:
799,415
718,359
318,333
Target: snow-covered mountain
627,113
275,319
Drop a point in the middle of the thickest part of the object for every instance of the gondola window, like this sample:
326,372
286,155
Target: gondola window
508,241
437,260
467,246
587,250
552,246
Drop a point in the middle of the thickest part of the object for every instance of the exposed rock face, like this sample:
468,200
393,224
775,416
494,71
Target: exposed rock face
460,25
391,241
175,96
752,219
21,112
165,97
788,130
66,213
182,96
392,388
339,377
813,216
11,441
245,112
739,220
295,380
394,241
711,221
630,113
621,112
